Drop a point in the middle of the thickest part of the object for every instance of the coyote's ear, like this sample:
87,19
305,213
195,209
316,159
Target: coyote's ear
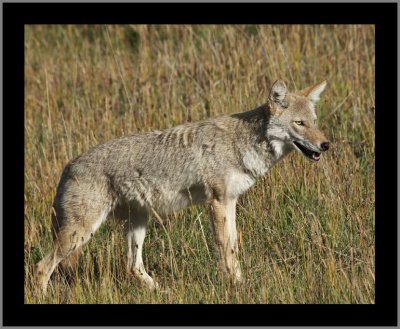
278,92
312,93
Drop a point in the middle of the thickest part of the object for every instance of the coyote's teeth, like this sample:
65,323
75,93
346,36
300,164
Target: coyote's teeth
316,155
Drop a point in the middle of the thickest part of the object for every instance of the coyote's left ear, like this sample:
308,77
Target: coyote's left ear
278,92
312,93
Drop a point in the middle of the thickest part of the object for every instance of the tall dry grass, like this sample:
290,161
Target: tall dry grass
306,231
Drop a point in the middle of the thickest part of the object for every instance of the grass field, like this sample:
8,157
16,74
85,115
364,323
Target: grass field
307,231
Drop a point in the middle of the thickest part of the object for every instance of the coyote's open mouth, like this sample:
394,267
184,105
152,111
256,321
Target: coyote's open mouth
310,154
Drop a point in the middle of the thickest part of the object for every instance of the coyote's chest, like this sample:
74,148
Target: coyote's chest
254,164
238,182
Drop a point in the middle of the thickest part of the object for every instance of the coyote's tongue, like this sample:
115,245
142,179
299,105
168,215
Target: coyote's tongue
316,155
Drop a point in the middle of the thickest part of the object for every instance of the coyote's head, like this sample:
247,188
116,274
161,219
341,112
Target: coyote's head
293,122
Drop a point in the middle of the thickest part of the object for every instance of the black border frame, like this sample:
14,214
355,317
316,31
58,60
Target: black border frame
383,15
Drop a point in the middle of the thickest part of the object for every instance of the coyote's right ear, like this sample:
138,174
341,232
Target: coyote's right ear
278,92
313,92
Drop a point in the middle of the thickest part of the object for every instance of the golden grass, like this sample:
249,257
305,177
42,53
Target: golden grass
306,231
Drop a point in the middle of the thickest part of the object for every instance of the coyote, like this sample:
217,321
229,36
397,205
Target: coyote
212,161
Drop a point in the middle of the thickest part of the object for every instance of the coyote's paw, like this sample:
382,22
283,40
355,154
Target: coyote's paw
237,275
146,279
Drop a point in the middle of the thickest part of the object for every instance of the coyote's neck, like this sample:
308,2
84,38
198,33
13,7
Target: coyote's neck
259,151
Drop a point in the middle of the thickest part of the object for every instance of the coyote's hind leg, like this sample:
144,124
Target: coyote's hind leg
73,230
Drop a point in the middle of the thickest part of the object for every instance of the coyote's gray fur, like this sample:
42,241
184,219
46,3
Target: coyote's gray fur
212,161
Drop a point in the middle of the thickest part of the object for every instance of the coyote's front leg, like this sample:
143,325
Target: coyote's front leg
223,219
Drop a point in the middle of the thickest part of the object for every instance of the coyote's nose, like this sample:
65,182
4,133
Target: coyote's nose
325,146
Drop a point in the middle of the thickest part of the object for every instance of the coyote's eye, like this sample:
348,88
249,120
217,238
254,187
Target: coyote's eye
300,123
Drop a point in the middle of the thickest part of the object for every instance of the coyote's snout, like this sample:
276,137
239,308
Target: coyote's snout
213,161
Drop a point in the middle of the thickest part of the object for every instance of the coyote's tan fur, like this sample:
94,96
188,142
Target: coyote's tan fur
213,161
